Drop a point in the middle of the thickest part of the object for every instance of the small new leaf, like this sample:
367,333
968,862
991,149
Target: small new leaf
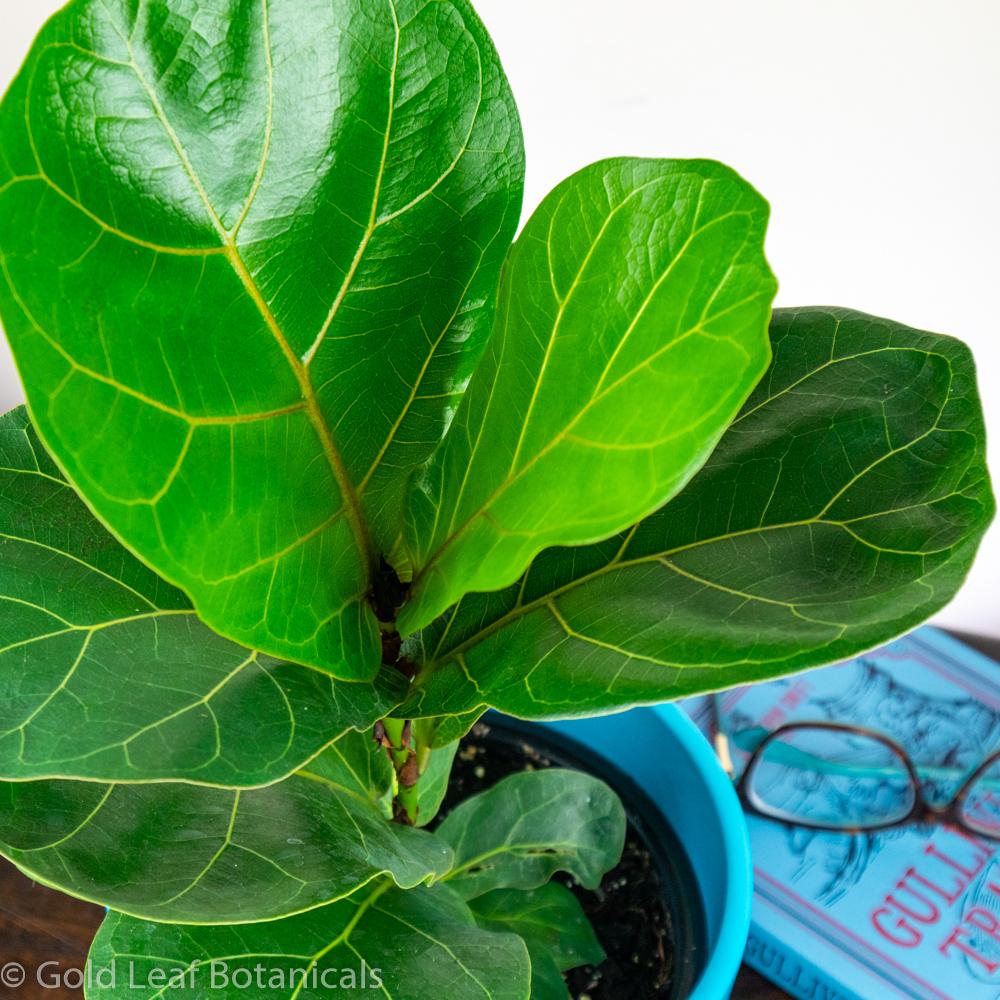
531,825
632,325
434,782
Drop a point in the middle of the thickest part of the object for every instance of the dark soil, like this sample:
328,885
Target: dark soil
627,911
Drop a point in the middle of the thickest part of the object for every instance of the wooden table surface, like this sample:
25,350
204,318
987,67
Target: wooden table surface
39,926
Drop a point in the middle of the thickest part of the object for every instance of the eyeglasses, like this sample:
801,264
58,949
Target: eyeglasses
850,779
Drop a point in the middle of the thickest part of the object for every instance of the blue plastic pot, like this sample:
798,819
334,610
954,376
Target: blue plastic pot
663,752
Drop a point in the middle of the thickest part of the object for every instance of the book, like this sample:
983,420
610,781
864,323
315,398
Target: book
906,912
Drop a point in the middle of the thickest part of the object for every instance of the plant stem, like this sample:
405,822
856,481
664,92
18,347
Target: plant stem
402,753
423,753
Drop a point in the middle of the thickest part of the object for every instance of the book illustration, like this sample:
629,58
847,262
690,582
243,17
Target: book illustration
947,737
832,863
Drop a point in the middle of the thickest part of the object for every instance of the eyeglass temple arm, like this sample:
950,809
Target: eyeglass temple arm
719,738
786,755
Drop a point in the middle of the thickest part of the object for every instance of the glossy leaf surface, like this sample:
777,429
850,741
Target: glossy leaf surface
247,256
632,325
842,508
180,854
547,982
554,927
106,673
531,825
420,945
434,782
550,915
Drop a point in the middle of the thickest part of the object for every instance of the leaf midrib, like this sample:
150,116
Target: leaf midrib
515,474
376,198
352,506
520,848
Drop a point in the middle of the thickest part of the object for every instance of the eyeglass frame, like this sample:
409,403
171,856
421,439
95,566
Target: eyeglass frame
922,813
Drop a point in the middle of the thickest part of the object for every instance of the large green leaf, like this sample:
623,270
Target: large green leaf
531,825
554,927
632,325
181,854
106,673
247,255
843,507
416,945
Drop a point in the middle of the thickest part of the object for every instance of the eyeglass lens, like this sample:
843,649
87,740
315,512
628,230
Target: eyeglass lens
981,806
833,778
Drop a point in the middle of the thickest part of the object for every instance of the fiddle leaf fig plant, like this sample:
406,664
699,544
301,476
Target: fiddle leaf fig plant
319,464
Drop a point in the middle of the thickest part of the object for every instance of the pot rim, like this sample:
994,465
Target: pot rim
728,944
724,870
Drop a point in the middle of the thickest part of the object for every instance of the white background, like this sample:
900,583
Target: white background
873,126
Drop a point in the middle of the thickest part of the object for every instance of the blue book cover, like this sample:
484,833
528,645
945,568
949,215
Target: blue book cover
906,912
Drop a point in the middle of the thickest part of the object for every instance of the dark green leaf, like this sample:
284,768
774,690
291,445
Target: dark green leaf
843,507
632,325
247,256
420,945
434,782
178,853
547,982
106,673
531,825
549,918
